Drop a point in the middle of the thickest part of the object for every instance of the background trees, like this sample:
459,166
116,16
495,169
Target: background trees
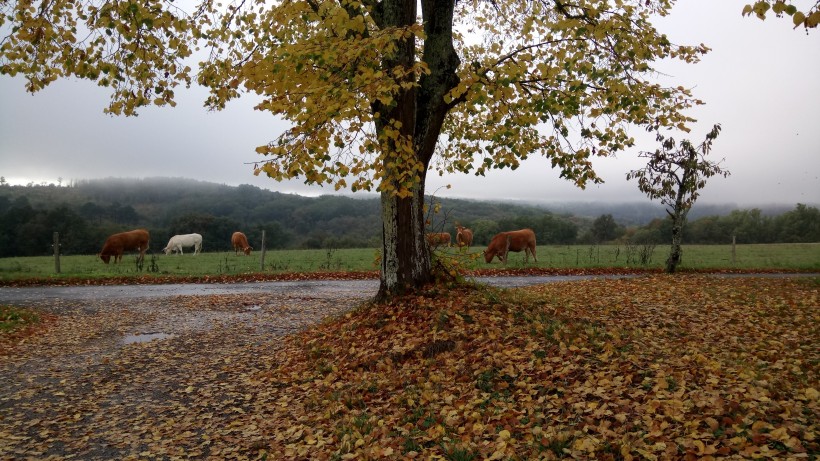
29,216
604,229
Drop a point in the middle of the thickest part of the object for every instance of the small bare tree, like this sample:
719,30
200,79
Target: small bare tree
675,175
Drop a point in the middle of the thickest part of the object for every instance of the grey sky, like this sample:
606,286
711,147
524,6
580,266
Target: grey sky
761,82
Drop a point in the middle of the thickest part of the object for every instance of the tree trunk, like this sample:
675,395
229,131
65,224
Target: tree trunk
421,110
677,237
405,254
680,210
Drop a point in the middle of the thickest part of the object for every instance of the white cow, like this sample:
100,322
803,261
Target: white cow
188,240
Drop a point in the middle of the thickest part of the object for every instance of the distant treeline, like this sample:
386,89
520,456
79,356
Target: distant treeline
799,225
86,212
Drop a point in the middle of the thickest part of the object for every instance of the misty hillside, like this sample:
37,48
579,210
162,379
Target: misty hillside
86,211
168,206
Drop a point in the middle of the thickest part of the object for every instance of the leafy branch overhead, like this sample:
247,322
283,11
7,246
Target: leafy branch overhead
499,81
807,16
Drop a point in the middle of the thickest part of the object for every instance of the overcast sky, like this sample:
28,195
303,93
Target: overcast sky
761,82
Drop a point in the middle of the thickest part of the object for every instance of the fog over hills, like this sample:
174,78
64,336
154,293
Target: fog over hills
143,192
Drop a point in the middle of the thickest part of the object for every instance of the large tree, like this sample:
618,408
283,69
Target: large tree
378,92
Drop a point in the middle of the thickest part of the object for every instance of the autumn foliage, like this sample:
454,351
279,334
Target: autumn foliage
651,367
654,368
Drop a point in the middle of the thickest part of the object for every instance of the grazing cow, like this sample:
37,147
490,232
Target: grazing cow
187,240
464,236
116,244
505,242
438,238
240,242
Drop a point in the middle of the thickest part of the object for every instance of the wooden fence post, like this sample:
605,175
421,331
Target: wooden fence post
262,259
734,254
56,246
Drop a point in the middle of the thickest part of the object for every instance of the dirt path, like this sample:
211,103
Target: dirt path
92,386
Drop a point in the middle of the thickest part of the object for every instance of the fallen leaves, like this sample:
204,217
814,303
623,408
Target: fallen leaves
653,367
153,279
658,367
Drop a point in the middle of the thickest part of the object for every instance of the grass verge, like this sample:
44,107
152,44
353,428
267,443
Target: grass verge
13,319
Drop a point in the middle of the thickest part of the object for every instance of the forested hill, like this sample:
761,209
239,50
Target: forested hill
87,211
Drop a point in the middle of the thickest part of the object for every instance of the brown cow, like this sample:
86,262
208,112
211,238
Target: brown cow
464,236
116,244
240,242
505,242
438,238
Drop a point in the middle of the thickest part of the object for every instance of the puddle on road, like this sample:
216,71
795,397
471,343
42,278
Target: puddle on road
145,337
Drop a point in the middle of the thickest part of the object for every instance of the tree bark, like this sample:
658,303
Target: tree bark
678,220
677,237
405,255
406,262
440,55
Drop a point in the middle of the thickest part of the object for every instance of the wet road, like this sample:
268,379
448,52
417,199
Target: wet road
362,288
358,288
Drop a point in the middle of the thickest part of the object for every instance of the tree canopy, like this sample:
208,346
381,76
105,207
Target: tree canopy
675,175
533,77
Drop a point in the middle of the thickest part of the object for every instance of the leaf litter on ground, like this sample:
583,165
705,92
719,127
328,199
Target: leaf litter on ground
653,367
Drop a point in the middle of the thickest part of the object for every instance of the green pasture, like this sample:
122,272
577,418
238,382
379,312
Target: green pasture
783,256
207,263
792,256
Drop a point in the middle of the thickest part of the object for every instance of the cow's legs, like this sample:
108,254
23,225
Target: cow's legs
532,250
506,250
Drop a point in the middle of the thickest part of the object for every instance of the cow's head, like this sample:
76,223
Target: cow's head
167,250
247,251
488,255
105,258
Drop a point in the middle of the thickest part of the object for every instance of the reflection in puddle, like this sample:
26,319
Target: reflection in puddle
145,337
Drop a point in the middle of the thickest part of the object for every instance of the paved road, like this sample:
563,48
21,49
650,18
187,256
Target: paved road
361,288
22,295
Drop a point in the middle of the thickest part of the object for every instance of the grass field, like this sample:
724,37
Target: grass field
803,257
